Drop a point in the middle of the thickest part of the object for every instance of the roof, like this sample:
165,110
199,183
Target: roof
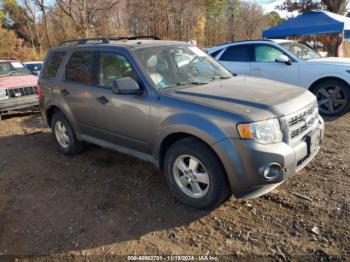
310,23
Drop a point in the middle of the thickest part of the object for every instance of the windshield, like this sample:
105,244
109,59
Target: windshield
13,69
301,51
174,66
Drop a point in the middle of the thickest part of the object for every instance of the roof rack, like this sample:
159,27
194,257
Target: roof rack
103,40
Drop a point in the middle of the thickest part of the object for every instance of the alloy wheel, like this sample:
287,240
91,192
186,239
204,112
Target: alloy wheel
191,176
61,134
331,99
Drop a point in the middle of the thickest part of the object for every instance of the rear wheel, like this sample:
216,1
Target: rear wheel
333,97
195,174
64,135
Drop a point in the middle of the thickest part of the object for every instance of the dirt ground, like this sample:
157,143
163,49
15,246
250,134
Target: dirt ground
101,204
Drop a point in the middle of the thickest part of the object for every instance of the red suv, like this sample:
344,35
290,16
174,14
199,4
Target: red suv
18,87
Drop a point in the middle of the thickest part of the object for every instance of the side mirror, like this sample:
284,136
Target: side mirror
283,59
126,86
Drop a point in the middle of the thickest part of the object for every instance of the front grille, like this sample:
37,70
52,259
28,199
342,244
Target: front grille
21,91
298,124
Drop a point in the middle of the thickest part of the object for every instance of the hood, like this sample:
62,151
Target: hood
252,98
8,82
331,61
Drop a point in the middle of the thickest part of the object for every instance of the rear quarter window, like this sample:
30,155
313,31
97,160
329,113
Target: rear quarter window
52,64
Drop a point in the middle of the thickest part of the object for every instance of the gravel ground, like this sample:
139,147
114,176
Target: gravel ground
102,203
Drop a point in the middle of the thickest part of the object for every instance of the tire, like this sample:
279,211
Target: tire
215,188
333,97
72,146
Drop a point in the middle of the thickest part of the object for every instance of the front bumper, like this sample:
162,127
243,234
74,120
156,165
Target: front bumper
244,160
19,102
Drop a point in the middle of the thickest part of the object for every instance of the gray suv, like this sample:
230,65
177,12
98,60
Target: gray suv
167,102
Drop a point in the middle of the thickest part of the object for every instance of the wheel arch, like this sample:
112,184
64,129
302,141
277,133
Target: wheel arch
327,78
50,112
53,108
172,138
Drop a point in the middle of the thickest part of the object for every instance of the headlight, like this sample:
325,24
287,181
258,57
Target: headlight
264,132
3,94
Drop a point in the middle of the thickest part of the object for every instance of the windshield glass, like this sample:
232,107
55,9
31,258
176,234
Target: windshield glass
301,51
173,66
13,69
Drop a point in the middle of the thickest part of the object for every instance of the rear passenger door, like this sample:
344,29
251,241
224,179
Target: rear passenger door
120,119
237,59
77,87
48,76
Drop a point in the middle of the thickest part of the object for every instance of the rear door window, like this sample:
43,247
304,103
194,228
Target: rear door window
80,67
52,64
239,53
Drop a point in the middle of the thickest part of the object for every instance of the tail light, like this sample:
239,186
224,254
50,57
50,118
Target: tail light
39,89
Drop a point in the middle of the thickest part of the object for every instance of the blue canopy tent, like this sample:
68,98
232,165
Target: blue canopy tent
311,23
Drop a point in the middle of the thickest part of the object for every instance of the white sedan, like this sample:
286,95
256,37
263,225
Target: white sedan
294,63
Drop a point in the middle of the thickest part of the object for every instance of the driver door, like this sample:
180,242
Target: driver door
120,119
265,66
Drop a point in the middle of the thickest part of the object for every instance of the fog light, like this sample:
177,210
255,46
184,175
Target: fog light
272,171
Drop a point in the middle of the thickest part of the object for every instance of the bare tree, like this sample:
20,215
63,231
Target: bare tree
83,12
42,7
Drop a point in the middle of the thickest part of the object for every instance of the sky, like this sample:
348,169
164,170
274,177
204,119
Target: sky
269,5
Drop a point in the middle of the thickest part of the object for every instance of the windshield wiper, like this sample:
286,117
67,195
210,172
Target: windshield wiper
221,77
184,83
191,83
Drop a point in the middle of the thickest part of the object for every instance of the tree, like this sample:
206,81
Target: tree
18,20
43,8
299,5
83,12
335,6
11,47
274,18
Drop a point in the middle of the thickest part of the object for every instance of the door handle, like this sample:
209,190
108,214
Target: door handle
257,68
103,100
64,92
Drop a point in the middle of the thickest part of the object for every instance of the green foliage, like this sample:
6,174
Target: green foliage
2,18
17,19
275,18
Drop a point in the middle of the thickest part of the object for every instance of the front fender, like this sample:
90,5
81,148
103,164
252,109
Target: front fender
191,124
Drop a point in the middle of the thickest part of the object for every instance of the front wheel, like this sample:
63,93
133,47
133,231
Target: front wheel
333,97
195,174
